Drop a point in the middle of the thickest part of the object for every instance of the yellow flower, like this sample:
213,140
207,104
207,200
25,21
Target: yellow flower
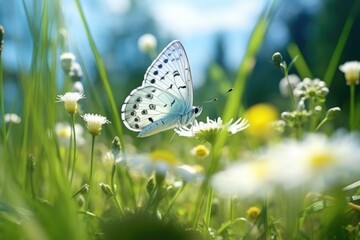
253,213
200,151
94,122
260,117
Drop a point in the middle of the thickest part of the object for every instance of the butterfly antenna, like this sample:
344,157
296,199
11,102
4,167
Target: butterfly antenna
216,98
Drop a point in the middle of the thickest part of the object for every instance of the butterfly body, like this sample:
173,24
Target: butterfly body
165,98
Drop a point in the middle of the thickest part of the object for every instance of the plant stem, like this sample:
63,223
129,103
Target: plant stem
172,201
92,159
113,188
91,170
73,133
352,107
205,189
70,148
291,90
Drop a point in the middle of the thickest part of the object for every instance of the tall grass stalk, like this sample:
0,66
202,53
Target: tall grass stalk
103,76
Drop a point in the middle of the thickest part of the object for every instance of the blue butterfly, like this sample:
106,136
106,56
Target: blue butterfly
164,100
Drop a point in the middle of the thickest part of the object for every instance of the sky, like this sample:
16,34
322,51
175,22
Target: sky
195,23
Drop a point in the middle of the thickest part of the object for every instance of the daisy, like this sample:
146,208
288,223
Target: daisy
207,132
245,179
63,132
94,122
351,70
159,161
70,100
317,161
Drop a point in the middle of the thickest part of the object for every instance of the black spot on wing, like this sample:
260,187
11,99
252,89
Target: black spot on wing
152,106
176,73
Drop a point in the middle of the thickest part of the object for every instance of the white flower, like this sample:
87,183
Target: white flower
94,122
245,179
147,43
78,87
67,60
351,70
70,100
63,132
314,89
284,84
12,118
75,72
189,173
315,163
317,160
208,131
160,161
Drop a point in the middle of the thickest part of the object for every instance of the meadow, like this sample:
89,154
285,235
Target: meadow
70,169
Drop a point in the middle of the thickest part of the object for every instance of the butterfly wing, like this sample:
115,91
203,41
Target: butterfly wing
171,71
164,95
147,105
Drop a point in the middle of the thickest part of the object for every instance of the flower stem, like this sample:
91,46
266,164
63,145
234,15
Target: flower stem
172,201
113,187
70,148
205,189
73,134
291,90
352,107
92,159
208,207
91,169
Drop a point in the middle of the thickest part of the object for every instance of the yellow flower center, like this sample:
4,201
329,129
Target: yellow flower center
201,151
352,77
64,132
163,156
320,160
260,170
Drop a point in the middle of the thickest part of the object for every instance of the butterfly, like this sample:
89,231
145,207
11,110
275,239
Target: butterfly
165,98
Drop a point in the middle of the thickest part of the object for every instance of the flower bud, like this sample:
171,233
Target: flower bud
150,186
78,87
67,60
116,147
277,59
147,43
106,189
332,113
75,72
